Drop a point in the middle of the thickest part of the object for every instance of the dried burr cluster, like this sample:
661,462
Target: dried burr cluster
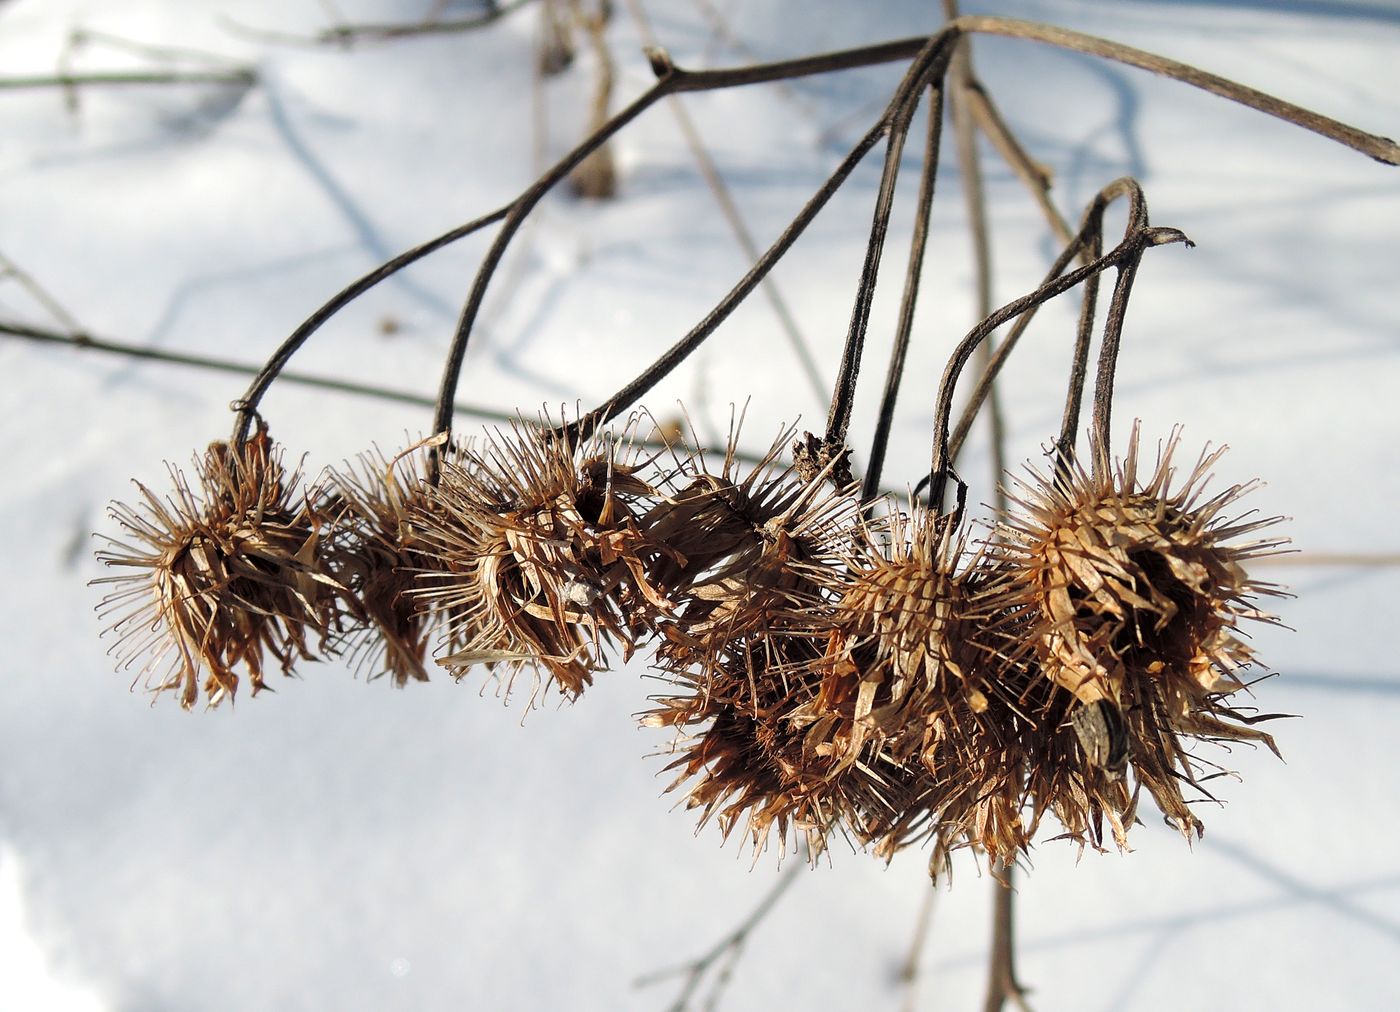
832,666
836,663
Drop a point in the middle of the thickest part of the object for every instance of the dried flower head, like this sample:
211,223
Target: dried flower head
539,556
758,746
773,729
216,577
743,555
377,553
932,660
1134,592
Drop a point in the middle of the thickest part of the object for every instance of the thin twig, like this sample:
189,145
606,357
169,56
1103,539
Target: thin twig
1382,149
727,949
918,243
1002,985
678,352
910,970
1087,245
214,364
1131,246
596,176
1113,335
1001,969
81,37
720,190
975,198
928,67
10,269
245,77
346,34
247,405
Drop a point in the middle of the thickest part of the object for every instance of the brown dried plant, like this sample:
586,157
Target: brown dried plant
538,555
1135,592
829,673
378,554
213,578
921,630
748,572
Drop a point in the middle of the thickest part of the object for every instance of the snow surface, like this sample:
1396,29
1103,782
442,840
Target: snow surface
340,845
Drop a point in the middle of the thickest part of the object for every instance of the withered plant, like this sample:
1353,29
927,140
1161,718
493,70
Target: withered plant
379,555
538,554
213,579
836,664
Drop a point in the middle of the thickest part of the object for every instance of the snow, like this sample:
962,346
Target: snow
343,845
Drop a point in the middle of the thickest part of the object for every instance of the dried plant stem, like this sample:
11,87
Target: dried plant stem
679,351
1035,176
247,405
1132,246
910,970
720,190
673,80
596,175
10,269
975,199
724,953
918,243
81,37
928,67
245,77
1001,966
1112,338
345,34
1002,986
1382,149
129,350
1087,246
385,32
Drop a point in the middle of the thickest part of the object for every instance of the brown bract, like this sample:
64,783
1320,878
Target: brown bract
1134,592
215,578
932,659
378,554
745,553
539,558
772,734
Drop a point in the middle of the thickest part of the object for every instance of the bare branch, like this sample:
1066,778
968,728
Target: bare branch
710,173
245,77
1002,985
1382,149
346,34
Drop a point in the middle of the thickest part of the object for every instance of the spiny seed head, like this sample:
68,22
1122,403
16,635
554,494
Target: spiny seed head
214,578
913,603
750,623
539,556
744,552
377,554
1134,592
760,749
777,701
931,656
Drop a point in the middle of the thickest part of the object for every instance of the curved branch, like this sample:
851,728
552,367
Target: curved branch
1382,149
1131,247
